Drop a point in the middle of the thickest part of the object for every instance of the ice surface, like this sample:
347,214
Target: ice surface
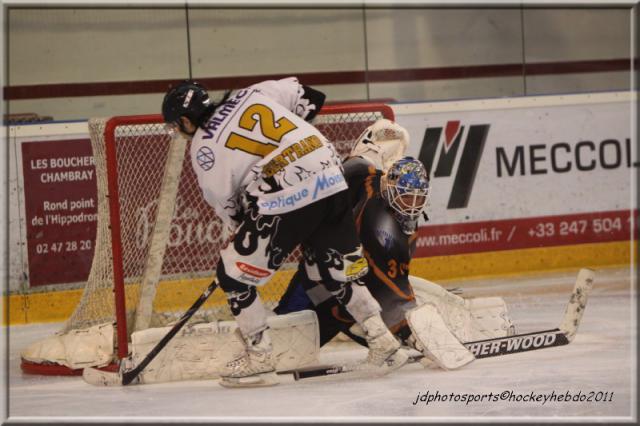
600,359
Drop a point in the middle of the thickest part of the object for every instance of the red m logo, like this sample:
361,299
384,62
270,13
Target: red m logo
469,158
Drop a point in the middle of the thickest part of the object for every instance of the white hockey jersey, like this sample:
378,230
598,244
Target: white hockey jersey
259,142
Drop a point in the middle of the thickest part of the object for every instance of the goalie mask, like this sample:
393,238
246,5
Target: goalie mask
407,191
187,99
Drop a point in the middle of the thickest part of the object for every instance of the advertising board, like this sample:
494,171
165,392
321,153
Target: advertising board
539,172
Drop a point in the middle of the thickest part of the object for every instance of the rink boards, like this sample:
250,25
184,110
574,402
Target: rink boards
517,184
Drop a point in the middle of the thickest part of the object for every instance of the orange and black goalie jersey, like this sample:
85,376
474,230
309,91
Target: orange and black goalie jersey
388,251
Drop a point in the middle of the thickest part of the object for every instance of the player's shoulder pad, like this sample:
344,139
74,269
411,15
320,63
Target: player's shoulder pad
304,101
314,102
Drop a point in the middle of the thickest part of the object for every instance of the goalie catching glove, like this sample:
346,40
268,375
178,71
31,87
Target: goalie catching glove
383,143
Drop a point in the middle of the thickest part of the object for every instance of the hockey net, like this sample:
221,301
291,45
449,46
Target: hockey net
157,241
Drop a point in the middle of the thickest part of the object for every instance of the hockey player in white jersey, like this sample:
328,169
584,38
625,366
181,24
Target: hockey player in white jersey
275,179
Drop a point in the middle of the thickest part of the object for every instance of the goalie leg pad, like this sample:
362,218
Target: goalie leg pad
200,351
87,347
435,340
468,319
490,318
451,307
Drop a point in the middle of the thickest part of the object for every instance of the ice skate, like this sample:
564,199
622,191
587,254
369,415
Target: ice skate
384,348
255,367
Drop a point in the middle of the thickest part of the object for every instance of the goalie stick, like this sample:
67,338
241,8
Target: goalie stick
560,336
128,374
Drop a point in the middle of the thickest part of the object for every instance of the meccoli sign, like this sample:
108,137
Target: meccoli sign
524,172
563,157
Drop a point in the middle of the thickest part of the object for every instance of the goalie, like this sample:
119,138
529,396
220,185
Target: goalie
387,207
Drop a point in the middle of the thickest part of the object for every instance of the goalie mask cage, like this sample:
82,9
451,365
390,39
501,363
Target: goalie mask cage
157,240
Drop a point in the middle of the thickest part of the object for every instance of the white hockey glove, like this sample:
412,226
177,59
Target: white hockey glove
382,143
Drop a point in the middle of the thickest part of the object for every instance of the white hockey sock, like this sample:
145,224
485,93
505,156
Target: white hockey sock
362,304
250,316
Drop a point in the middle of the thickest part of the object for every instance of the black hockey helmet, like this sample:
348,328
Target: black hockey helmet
187,99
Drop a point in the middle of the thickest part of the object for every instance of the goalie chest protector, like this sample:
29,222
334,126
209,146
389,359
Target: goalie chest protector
387,249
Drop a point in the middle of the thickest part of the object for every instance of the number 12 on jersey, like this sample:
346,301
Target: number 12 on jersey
272,129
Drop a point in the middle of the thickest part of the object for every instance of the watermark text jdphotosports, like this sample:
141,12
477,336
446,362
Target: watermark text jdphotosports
541,398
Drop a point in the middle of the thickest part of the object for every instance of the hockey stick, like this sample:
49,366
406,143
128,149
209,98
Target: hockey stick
127,375
563,335
480,349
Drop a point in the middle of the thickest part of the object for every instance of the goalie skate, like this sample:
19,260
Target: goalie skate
255,367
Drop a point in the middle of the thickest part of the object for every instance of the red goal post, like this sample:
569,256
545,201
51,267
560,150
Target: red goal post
157,240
